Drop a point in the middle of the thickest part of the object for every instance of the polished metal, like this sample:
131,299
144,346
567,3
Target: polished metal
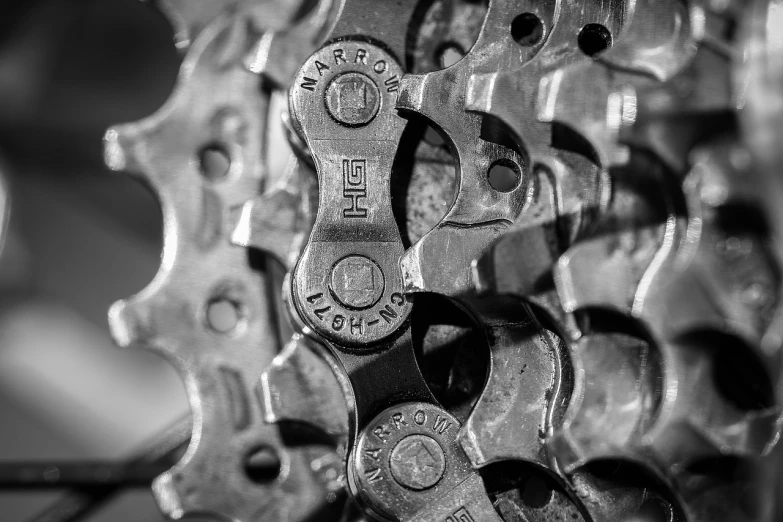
479,212
417,462
408,465
529,383
593,185
347,285
354,248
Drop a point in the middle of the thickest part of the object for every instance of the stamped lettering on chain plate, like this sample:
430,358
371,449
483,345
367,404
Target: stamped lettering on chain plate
355,187
343,58
461,515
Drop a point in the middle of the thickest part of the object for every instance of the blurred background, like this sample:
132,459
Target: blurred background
79,238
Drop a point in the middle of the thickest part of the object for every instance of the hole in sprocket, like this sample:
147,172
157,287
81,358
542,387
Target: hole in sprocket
594,39
263,465
527,29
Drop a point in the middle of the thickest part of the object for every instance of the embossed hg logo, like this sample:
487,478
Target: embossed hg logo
355,187
461,515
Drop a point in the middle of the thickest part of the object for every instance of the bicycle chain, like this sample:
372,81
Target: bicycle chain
631,263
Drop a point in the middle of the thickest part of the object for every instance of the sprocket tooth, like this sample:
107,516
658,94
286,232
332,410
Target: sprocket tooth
610,415
614,490
736,264
278,55
565,189
207,309
129,323
632,260
535,244
725,489
524,395
189,488
190,17
757,79
446,242
479,211
662,38
302,386
234,453
279,220
698,420
562,100
695,101
632,247
511,95
666,412
670,294
120,149
660,42
479,93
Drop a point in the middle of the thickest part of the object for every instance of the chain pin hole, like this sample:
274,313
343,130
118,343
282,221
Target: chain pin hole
527,29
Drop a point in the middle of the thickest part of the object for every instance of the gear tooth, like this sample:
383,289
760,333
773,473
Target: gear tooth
242,227
572,454
680,443
167,497
546,100
561,99
472,444
480,211
699,421
661,60
599,259
277,55
563,449
257,59
514,416
126,323
483,272
189,19
613,414
412,275
271,222
447,242
527,246
226,434
295,378
626,490
412,92
768,424
177,491
478,97
119,143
